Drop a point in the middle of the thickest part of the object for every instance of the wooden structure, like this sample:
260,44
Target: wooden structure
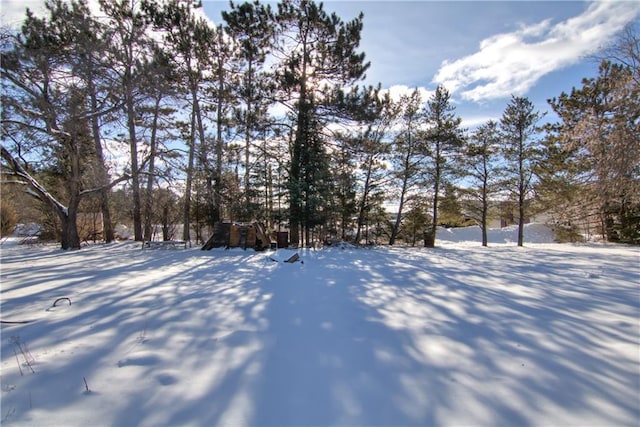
282,239
238,235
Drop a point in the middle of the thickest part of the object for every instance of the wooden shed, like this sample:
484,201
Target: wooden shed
238,235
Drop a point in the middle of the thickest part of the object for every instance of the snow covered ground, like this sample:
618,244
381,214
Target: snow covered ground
547,334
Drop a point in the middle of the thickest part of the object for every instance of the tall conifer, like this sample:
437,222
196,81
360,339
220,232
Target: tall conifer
315,52
521,150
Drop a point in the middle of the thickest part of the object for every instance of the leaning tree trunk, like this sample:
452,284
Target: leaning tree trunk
70,237
405,184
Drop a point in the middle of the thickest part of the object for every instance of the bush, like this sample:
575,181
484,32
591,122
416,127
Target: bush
567,233
8,219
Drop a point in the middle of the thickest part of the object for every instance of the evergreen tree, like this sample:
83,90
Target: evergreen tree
599,126
450,212
371,151
444,141
87,58
158,115
189,40
560,190
129,59
415,222
481,161
252,27
521,151
408,155
343,189
221,94
315,51
45,100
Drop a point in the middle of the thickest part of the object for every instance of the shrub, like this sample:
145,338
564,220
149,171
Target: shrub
8,219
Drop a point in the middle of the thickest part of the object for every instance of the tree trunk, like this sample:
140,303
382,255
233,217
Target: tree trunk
521,219
483,224
216,214
363,202
70,238
186,214
430,237
153,148
521,190
135,177
103,176
204,151
248,130
485,203
396,225
165,223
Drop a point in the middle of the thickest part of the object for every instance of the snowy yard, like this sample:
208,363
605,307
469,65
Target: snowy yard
545,334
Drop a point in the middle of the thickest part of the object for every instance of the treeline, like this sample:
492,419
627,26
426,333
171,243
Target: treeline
263,117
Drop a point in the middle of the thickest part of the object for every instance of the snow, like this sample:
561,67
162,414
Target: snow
547,334
533,233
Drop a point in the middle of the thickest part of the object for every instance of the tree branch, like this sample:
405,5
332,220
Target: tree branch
32,182
112,184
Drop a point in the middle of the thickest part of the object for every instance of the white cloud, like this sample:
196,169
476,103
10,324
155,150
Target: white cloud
473,122
512,63
13,12
397,91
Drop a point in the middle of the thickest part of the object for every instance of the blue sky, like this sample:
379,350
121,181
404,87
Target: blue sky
482,51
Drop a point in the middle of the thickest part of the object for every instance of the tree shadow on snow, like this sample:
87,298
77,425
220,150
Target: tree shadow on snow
355,337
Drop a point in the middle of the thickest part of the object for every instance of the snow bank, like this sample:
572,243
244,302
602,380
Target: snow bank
533,233
26,230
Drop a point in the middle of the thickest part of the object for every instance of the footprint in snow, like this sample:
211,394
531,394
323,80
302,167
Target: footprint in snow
139,360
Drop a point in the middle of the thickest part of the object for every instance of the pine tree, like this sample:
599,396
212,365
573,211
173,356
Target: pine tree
416,220
444,141
315,51
51,110
343,189
481,161
87,58
599,127
521,151
129,59
158,115
408,155
252,27
221,95
450,212
377,115
560,190
189,39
